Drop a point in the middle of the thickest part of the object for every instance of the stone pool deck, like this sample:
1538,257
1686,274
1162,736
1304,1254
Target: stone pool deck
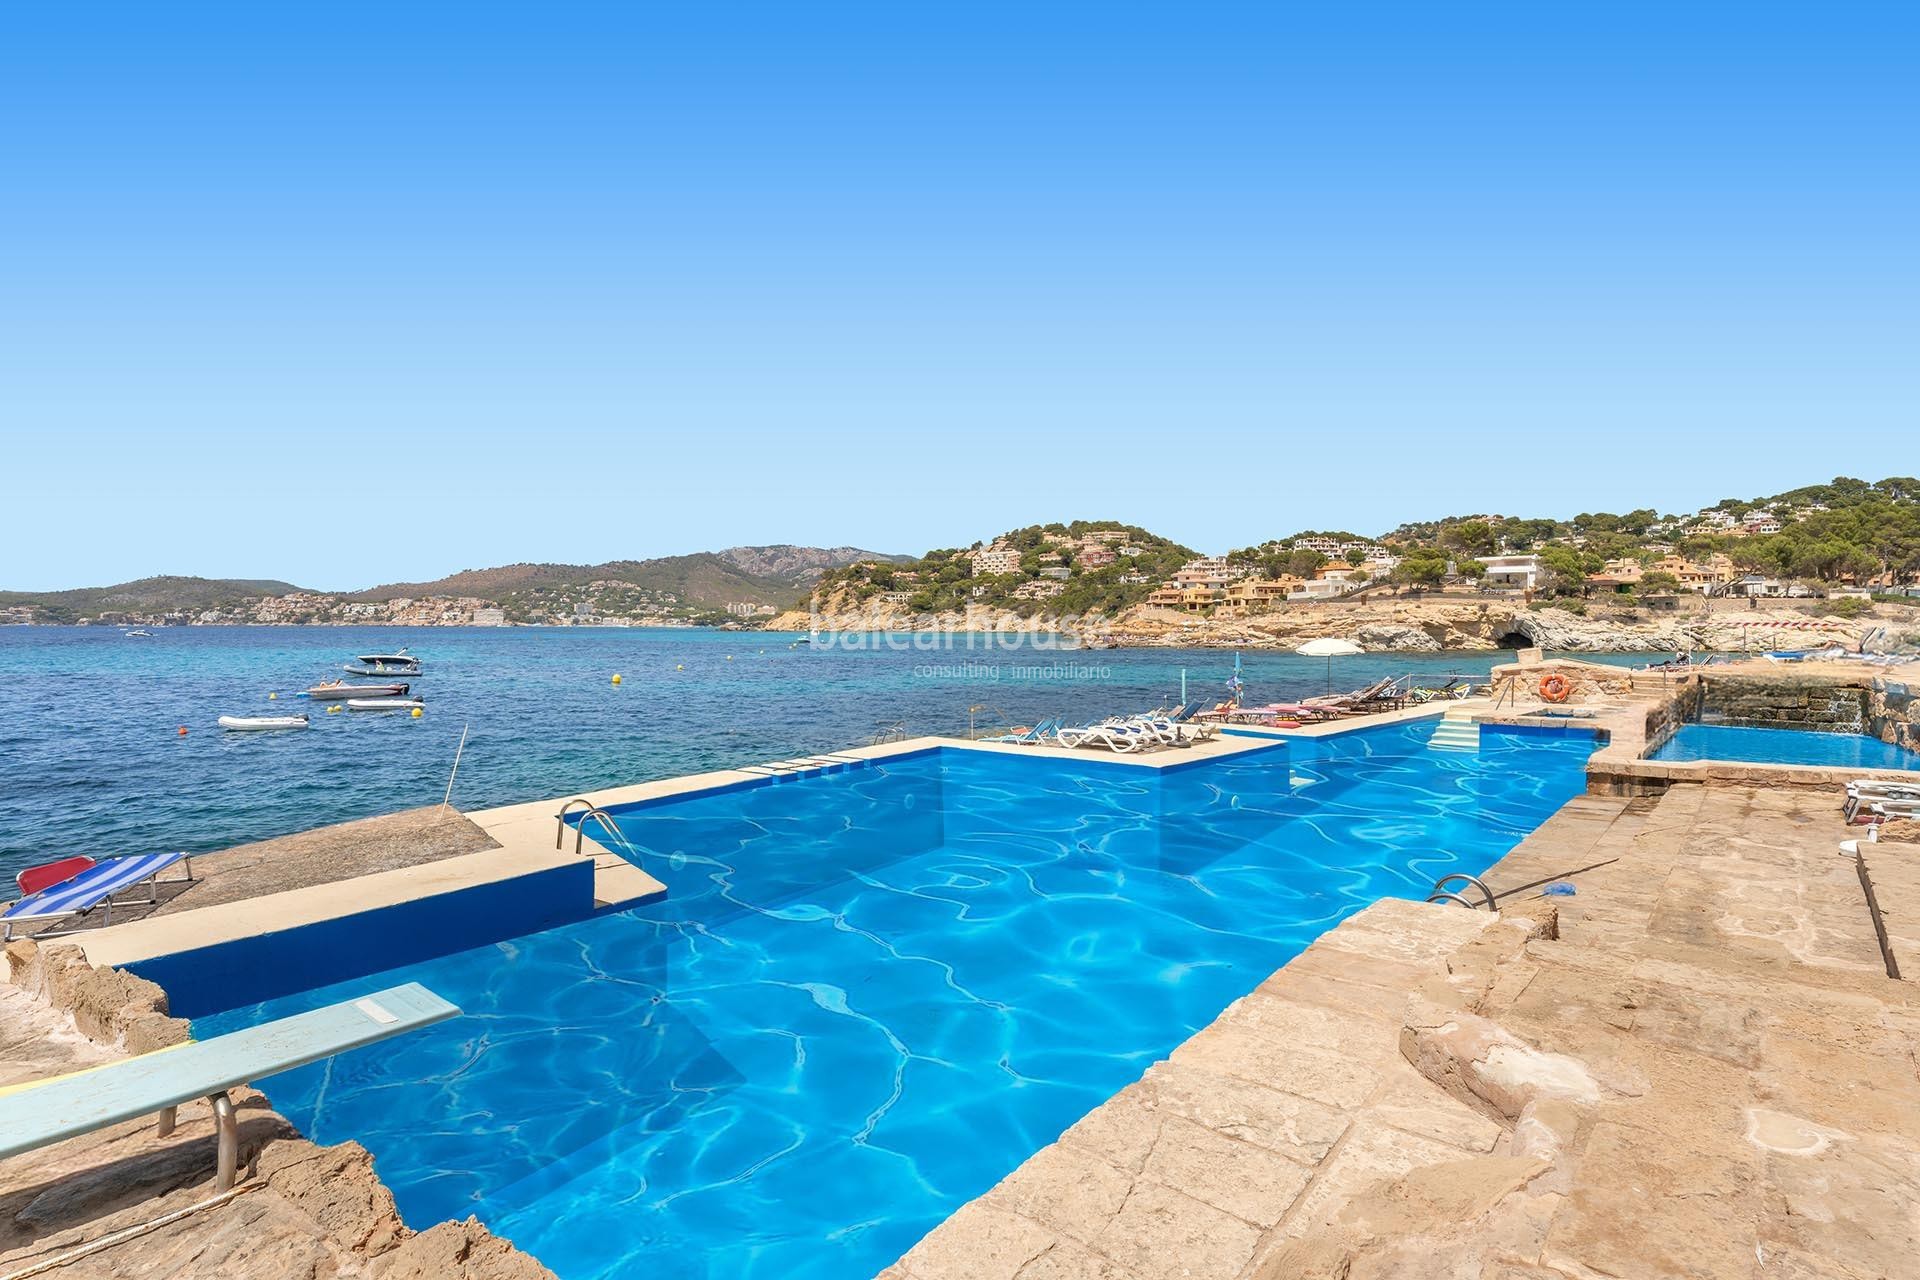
1695,1066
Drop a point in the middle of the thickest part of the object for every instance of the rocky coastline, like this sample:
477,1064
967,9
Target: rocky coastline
1414,626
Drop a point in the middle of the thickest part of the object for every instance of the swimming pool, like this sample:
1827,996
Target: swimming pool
1783,746
873,993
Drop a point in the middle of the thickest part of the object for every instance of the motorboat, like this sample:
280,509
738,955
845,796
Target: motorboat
384,704
138,633
384,664
255,724
337,689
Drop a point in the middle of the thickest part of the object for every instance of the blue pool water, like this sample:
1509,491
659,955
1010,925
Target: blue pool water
91,760
872,993
1784,746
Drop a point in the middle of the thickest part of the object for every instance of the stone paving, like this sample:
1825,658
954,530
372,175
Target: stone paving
327,854
324,855
1694,1066
1893,869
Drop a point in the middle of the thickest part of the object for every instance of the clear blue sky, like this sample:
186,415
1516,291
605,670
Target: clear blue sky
356,292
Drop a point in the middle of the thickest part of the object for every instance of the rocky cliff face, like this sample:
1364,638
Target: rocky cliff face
1392,626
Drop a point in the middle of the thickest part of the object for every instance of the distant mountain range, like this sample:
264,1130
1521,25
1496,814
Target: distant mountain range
779,576
776,575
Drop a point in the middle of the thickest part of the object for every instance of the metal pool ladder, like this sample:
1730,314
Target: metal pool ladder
1440,893
597,814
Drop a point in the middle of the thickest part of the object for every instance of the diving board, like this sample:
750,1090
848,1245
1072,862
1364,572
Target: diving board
37,1115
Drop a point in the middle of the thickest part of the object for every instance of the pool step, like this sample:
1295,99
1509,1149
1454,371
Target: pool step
1457,731
804,764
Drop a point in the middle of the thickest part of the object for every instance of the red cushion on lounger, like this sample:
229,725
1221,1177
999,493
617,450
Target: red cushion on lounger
48,874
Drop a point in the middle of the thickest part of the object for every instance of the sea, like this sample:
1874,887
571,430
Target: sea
109,744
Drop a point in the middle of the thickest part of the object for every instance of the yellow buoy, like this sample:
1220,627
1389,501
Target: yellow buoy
334,710
729,657
416,713
272,696
616,677
679,666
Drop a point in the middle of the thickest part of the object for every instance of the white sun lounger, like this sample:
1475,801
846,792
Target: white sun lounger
1865,791
1115,737
47,1111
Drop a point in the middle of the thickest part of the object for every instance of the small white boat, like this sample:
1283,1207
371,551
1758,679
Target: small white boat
384,664
138,634
337,689
384,704
255,724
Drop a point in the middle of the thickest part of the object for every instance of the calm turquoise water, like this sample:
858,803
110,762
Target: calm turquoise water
1784,746
90,760
871,994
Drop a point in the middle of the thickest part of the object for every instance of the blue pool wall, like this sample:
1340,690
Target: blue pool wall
226,975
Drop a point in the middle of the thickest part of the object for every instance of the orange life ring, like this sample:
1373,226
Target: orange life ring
1555,687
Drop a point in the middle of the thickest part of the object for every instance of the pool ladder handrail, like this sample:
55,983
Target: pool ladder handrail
1440,893
560,818
597,814
888,731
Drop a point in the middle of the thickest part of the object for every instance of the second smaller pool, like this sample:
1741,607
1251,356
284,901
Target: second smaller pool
1784,746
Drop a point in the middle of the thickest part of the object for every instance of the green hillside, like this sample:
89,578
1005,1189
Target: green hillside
945,579
1845,531
165,594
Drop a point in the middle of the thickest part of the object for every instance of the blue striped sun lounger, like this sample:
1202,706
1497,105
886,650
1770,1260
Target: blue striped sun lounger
89,889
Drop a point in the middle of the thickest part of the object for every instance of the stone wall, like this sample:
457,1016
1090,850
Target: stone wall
1669,713
1893,713
1815,703
110,1007
1587,681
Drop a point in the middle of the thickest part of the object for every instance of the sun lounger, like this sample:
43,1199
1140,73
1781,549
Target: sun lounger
1883,810
1159,728
1038,733
1329,704
1115,737
1381,693
1866,791
47,1111
91,888
1279,711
